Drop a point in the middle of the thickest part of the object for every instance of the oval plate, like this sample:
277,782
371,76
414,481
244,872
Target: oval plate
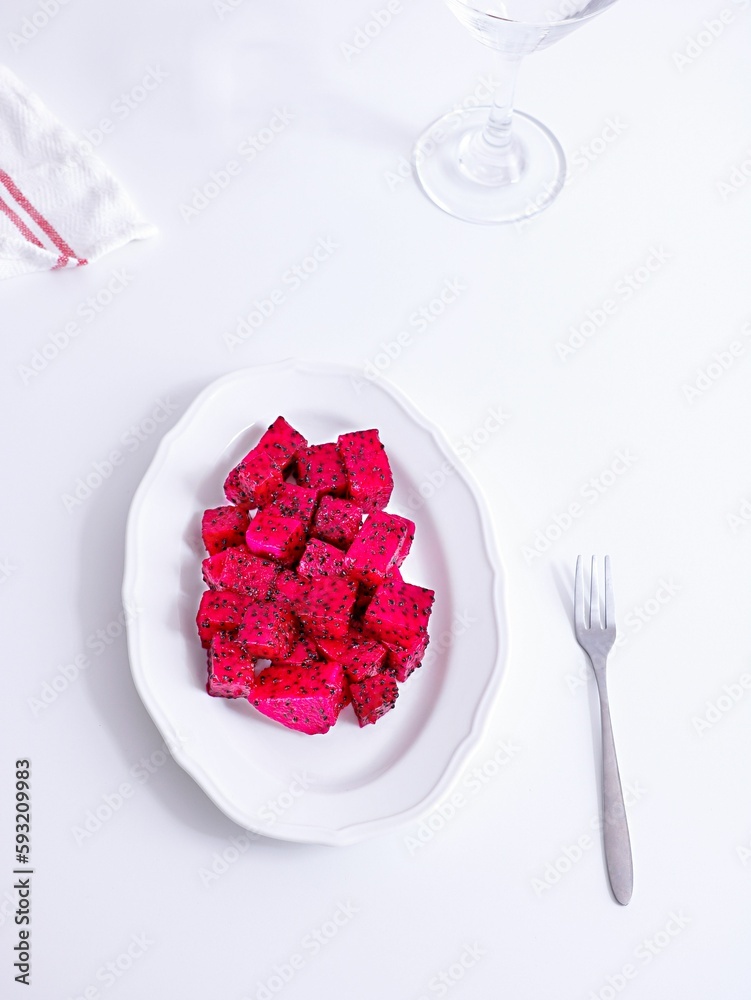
350,783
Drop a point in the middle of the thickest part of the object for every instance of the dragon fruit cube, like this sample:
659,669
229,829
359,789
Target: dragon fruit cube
239,570
359,656
363,599
303,654
384,541
219,611
366,591
326,607
398,612
289,585
282,443
401,660
373,697
267,630
337,521
275,536
367,468
222,527
307,699
296,501
321,559
320,468
231,671
254,482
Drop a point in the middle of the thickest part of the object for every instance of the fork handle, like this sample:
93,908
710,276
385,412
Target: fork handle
615,826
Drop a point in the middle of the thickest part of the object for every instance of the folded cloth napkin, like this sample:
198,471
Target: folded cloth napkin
59,205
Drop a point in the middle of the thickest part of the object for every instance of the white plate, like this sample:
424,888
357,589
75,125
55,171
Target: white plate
351,783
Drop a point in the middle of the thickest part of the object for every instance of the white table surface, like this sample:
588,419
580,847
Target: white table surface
486,880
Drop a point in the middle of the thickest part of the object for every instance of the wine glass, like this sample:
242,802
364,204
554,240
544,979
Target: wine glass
495,164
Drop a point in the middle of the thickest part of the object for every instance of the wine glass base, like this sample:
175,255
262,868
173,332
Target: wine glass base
437,155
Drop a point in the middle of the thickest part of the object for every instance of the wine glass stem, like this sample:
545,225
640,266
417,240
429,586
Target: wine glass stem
493,155
497,130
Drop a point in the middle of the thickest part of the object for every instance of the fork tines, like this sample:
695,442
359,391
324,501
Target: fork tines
594,617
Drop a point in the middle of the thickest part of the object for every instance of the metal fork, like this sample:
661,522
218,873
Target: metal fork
597,640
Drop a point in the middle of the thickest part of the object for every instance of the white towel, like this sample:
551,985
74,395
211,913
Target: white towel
59,205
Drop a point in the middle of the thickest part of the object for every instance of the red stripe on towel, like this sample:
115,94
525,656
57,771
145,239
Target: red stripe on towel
19,224
66,252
